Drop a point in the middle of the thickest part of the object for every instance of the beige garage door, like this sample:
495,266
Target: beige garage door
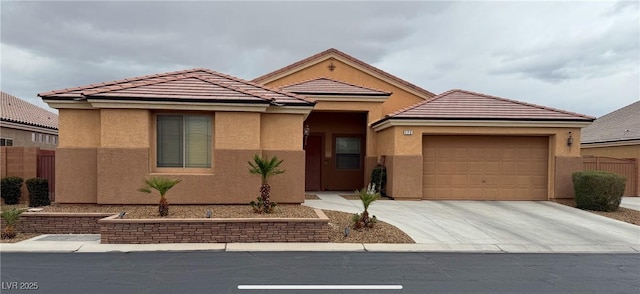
485,167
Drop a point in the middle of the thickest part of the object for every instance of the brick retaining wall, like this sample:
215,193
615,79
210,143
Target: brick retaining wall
59,223
214,230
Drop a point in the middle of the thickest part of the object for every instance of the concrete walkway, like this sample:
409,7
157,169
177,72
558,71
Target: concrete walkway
436,226
631,203
511,226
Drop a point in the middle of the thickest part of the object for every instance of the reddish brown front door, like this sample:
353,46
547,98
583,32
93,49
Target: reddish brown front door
313,163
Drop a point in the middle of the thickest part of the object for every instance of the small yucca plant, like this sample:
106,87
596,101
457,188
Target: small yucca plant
10,217
162,185
265,168
367,196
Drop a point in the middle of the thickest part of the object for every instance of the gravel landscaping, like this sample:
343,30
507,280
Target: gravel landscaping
338,221
622,214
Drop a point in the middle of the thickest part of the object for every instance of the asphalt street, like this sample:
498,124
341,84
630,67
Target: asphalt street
233,272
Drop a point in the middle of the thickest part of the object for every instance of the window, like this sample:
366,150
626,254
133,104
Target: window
6,142
184,141
347,153
48,139
33,137
40,138
55,140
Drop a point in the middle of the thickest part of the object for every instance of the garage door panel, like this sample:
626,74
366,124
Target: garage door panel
485,167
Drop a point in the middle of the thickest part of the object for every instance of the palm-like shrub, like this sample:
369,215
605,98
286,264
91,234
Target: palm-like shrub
265,168
162,185
10,217
367,196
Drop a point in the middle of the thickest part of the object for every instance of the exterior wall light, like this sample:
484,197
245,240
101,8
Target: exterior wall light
570,139
305,133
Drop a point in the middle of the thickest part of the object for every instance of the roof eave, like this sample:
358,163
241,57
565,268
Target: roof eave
388,122
341,94
27,124
611,143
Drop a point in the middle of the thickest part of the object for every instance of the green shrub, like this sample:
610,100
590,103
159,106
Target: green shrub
10,189
597,190
367,196
162,185
38,192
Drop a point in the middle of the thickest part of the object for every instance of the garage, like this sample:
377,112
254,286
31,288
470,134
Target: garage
484,167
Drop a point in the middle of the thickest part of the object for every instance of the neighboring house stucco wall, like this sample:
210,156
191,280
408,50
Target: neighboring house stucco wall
630,151
44,138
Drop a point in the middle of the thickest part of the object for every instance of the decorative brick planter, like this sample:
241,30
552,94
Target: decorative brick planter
214,230
59,223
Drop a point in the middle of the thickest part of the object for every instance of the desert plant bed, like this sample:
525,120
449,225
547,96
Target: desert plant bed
187,211
622,214
338,221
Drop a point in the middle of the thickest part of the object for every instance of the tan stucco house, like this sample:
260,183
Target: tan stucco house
617,135
203,127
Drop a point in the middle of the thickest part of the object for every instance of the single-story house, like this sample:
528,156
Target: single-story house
617,135
331,117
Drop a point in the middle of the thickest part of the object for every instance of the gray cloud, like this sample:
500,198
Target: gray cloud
516,50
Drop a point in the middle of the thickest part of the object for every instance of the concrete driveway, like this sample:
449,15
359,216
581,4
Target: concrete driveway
512,226
630,202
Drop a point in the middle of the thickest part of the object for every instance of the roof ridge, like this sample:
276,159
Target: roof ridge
521,103
333,80
109,83
296,96
346,56
420,103
209,80
621,109
163,79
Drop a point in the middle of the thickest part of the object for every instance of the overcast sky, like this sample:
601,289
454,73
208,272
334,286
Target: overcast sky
578,56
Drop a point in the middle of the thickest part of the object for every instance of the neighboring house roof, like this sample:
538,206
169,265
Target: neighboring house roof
331,53
16,110
466,105
327,86
194,85
617,126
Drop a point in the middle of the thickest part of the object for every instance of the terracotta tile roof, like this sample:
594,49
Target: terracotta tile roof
620,125
327,86
17,110
465,105
194,85
347,57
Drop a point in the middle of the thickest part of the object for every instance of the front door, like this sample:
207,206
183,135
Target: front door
313,162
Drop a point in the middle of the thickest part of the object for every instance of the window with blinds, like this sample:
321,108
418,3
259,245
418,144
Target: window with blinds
184,141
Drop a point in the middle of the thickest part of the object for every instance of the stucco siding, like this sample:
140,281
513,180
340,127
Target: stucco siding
79,128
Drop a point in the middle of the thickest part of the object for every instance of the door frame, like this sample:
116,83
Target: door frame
322,160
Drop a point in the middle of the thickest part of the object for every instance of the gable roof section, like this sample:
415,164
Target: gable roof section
16,110
327,86
465,105
620,125
335,53
194,85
